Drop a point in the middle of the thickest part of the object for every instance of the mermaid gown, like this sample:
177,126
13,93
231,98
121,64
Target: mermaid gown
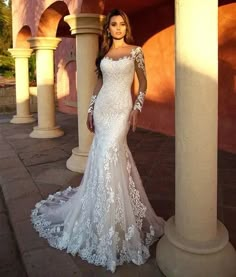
107,220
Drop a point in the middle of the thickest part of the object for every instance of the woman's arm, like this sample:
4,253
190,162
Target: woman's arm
95,94
141,74
90,123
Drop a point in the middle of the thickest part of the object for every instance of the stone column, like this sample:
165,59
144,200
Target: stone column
44,48
21,56
87,28
195,243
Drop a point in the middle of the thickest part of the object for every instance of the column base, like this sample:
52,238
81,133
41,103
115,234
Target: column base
77,161
22,119
46,132
177,257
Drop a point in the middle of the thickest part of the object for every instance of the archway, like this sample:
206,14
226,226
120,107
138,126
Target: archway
22,36
51,22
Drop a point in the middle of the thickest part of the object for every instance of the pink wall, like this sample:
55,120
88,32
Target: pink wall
227,77
65,62
153,29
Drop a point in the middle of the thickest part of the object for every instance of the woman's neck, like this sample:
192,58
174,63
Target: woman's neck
118,43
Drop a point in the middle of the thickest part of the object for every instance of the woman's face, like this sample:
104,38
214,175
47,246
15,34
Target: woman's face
117,27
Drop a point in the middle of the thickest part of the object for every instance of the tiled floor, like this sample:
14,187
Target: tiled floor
37,168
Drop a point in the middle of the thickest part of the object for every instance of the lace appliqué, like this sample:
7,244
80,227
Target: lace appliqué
139,101
138,208
139,58
48,230
92,103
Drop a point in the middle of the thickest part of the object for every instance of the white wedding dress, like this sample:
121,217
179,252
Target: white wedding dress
107,220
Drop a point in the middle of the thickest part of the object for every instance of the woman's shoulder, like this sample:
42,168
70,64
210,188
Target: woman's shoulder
136,50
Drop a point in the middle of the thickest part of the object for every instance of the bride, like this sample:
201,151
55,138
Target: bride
107,220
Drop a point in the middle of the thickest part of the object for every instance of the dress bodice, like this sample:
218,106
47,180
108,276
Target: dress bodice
117,78
113,89
118,74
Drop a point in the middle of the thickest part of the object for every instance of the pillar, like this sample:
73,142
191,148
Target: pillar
86,27
21,56
195,243
44,48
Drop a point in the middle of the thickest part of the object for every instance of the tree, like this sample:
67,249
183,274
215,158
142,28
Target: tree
6,61
5,27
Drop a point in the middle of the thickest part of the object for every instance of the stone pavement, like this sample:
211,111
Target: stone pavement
30,169
10,260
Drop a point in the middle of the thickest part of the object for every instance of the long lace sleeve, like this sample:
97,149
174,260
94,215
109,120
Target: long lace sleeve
95,94
141,74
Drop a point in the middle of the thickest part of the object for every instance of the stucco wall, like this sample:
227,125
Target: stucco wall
154,30
227,77
65,63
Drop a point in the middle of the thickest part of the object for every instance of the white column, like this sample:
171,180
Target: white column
44,48
21,56
86,27
195,243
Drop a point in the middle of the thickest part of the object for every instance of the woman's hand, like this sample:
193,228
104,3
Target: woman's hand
133,119
90,123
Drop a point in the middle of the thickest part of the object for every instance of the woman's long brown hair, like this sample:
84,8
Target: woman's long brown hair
107,40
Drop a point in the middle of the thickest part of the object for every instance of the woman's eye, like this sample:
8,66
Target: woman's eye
114,24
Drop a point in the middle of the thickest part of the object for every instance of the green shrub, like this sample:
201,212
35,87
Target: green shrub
7,64
32,69
8,74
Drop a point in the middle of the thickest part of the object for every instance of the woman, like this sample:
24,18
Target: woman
108,219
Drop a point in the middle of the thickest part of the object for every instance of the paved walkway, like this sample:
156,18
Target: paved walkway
10,260
30,169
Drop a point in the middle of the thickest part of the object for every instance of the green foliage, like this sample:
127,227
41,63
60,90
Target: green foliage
5,26
32,69
7,65
6,61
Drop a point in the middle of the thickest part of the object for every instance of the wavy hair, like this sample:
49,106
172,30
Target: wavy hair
106,41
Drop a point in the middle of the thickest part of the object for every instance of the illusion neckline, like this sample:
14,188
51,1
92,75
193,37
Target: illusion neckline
129,56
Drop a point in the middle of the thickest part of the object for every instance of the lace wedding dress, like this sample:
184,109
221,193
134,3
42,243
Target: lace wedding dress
108,219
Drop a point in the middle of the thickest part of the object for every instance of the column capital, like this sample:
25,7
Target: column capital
44,43
85,23
20,52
